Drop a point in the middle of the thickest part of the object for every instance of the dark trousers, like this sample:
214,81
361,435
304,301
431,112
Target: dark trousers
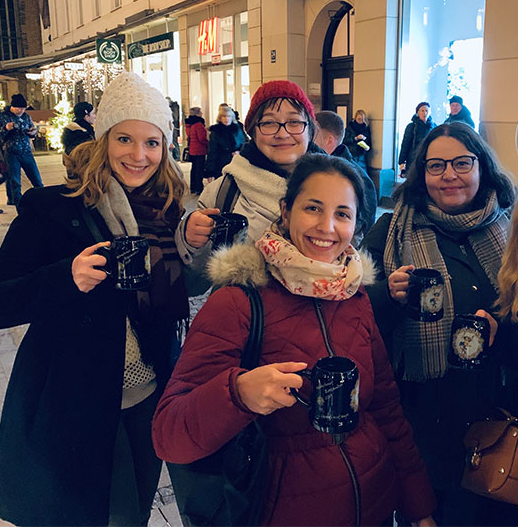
197,173
136,469
15,162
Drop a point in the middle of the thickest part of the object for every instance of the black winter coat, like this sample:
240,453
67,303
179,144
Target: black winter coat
353,129
63,401
75,133
464,116
222,142
415,132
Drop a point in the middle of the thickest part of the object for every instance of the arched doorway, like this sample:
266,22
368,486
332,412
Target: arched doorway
338,63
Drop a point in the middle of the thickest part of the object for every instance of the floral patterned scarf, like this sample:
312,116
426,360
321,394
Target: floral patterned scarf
308,277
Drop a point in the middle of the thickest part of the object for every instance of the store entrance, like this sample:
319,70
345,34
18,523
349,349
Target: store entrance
221,89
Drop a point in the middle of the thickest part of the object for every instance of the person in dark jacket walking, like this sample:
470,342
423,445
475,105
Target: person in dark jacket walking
302,265
329,137
459,112
75,433
420,125
358,138
16,132
198,147
226,140
80,129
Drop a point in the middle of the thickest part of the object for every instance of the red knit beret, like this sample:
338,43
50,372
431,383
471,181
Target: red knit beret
277,89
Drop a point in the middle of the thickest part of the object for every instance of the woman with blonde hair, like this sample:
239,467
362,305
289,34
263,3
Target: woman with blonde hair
77,416
226,140
358,138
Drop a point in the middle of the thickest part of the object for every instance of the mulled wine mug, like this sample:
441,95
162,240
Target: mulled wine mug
469,343
333,406
425,295
127,262
229,228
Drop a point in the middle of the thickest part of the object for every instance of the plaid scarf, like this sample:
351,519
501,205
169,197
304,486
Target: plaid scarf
421,348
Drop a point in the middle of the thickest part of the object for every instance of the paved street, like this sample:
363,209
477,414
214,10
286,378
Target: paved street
52,171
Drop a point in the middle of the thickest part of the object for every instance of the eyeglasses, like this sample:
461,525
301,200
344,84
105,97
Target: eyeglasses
272,127
461,165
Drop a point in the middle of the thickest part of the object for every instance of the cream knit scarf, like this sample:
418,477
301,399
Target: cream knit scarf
307,277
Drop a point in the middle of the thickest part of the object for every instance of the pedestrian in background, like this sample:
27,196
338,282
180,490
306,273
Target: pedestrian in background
81,128
198,147
329,137
75,434
226,140
418,128
358,138
16,132
459,112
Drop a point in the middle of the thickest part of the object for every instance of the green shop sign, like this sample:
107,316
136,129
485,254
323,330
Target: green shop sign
109,50
150,45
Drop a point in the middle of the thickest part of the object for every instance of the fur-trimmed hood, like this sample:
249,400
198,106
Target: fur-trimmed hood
244,264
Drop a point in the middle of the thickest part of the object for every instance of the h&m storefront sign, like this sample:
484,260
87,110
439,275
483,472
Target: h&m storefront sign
151,45
108,50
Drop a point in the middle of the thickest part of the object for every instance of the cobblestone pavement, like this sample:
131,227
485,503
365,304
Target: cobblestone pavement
165,512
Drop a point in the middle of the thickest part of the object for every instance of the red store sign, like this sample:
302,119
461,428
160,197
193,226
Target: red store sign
208,36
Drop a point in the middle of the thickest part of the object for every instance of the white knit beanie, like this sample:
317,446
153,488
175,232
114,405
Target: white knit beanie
129,96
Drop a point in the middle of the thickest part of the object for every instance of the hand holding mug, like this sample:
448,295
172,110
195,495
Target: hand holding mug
398,283
493,324
266,388
85,268
199,226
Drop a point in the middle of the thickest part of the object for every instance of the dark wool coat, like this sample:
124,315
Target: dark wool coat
308,483
353,129
415,132
75,133
222,142
197,135
63,401
440,409
464,116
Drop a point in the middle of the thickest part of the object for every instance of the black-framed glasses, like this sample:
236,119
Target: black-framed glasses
272,127
460,164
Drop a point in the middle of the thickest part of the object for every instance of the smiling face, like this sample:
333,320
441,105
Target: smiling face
134,151
282,148
451,192
322,219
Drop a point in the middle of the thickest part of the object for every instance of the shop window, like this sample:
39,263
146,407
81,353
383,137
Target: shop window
441,56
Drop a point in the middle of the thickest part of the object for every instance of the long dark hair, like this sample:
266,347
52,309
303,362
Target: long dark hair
310,164
492,176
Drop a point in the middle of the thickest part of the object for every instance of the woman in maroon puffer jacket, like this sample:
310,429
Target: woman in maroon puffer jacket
198,147
303,261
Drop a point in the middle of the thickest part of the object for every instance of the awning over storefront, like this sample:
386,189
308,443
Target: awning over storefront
35,61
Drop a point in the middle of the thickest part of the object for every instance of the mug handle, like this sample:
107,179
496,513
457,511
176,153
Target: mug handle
304,373
105,251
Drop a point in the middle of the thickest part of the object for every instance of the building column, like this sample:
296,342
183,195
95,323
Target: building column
375,63
498,103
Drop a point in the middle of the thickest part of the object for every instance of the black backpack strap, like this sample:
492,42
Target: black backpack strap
227,194
90,223
252,351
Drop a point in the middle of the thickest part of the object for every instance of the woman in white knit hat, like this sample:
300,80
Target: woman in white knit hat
75,438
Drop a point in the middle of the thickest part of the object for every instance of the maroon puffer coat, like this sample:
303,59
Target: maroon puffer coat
197,134
308,481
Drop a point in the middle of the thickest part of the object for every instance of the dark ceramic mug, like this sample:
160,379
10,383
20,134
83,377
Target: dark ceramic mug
333,407
425,295
469,342
127,262
229,228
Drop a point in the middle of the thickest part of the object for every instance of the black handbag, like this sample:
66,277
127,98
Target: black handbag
186,156
227,487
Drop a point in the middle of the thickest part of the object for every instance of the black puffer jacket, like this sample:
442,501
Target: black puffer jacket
75,133
223,141
415,132
354,129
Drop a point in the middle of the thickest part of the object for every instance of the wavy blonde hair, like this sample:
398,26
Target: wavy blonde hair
89,171
507,302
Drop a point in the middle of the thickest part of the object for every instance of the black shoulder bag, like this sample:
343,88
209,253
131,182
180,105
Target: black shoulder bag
227,487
